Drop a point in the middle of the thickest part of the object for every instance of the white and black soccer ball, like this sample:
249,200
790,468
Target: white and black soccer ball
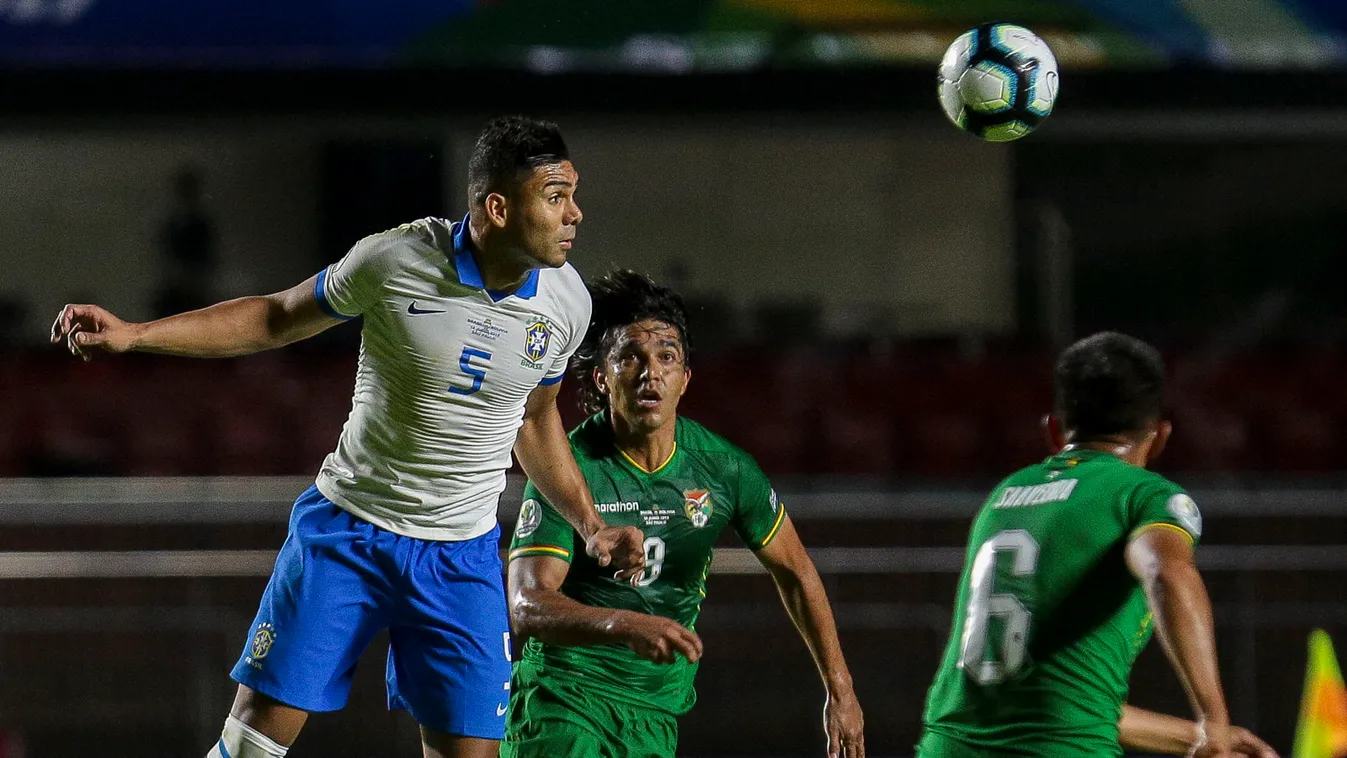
998,82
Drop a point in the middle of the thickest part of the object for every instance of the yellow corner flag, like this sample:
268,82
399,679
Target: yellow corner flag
1322,731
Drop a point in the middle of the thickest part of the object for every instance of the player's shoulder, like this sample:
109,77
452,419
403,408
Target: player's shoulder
414,239
693,437
566,289
1135,478
592,439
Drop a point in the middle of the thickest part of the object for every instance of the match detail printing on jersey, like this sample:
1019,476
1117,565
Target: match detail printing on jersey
445,369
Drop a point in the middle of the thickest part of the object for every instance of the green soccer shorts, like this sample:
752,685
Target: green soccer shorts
560,721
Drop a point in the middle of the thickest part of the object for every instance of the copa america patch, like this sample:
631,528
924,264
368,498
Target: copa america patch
530,516
1184,510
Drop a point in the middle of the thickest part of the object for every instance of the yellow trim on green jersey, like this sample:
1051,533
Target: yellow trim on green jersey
780,519
1153,525
658,468
520,552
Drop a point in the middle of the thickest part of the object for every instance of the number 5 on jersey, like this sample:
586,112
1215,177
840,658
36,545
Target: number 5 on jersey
477,374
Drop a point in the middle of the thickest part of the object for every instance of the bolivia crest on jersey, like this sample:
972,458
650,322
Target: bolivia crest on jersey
698,507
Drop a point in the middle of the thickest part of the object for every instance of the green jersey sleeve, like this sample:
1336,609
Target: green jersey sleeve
757,512
540,529
1160,502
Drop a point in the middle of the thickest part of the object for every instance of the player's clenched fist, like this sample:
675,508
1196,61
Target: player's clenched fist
82,327
622,547
658,639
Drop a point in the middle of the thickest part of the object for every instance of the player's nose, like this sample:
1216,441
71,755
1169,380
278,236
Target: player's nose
576,215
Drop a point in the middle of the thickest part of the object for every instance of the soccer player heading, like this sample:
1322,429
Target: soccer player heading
607,668
1071,564
467,331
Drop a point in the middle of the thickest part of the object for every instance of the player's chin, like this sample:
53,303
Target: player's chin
643,416
554,256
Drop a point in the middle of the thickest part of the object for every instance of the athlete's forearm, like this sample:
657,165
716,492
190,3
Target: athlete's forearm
234,327
1150,732
551,617
545,455
1183,621
806,601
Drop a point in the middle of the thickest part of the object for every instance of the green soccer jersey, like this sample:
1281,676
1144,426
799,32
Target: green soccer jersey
1048,620
682,507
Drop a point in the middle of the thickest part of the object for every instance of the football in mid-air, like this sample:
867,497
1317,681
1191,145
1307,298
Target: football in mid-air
998,82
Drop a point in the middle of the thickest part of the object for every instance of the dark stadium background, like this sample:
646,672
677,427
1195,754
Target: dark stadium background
875,301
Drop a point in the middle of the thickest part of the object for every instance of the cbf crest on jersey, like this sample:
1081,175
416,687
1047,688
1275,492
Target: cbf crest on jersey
537,338
261,644
698,507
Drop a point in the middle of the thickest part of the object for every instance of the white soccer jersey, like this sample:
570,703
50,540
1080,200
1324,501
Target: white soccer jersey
445,369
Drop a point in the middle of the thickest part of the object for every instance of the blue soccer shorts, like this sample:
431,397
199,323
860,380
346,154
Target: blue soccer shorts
339,580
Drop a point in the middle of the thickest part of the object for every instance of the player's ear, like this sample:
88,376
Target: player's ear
495,208
1162,432
1053,433
600,380
687,377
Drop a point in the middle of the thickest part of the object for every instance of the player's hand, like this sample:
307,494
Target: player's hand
1214,741
83,327
844,725
622,547
658,639
1246,743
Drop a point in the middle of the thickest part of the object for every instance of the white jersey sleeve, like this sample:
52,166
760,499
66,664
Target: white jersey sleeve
579,308
350,286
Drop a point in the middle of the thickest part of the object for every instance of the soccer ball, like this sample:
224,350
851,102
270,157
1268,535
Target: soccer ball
998,82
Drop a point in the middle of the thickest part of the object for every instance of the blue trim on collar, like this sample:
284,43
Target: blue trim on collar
470,275
467,267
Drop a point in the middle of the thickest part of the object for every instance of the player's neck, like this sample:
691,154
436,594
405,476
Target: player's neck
649,450
1129,451
502,270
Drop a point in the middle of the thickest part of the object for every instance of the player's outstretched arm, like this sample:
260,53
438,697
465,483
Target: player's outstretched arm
1162,560
545,455
539,609
802,592
1150,732
234,327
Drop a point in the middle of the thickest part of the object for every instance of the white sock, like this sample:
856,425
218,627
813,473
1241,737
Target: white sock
242,741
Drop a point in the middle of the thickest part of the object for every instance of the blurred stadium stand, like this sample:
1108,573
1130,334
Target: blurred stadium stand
911,412
1187,189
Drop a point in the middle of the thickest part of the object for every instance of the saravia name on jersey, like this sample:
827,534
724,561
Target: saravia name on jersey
1038,494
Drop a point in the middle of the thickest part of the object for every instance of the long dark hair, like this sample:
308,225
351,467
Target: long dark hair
622,297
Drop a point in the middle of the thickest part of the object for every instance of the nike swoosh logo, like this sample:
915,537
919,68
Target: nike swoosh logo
413,310
500,709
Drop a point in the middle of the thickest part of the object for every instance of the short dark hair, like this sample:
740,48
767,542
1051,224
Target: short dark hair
508,145
1108,384
622,298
